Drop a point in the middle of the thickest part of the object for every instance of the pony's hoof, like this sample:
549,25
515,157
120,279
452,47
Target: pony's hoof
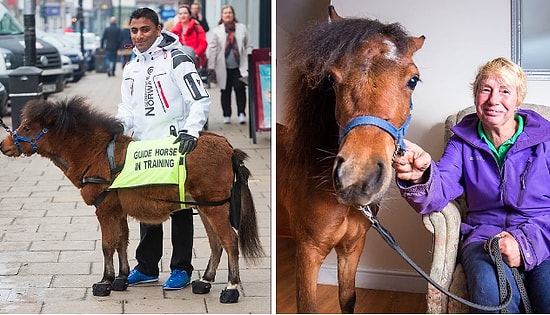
120,284
201,287
101,289
229,296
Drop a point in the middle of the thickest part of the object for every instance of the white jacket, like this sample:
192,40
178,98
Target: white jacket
162,92
216,52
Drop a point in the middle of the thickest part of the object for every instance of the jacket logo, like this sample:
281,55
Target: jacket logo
148,97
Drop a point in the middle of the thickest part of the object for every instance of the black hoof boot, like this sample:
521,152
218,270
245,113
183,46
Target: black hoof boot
201,287
101,289
229,296
120,284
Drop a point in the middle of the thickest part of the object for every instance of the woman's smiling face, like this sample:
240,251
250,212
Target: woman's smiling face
496,102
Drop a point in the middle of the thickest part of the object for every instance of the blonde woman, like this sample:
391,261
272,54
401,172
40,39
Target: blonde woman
499,158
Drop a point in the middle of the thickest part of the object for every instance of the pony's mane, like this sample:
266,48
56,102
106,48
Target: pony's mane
322,44
74,115
311,103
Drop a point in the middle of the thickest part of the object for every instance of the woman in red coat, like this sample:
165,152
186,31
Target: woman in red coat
191,34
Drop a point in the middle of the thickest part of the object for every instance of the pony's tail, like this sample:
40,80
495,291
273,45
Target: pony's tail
249,241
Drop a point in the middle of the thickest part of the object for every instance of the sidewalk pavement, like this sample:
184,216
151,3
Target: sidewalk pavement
50,247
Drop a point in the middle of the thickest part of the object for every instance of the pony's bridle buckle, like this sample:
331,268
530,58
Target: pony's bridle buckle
365,209
32,141
399,151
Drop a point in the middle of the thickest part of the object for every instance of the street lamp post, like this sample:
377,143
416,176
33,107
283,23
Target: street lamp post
119,12
29,22
80,18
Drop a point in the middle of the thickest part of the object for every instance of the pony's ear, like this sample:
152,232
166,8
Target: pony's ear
51,119
333,16
415,43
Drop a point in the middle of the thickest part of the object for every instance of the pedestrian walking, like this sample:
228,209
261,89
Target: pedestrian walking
126,45
228,49
191,34
110,42
197,15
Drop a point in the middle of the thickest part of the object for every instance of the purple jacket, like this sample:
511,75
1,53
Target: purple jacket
514,198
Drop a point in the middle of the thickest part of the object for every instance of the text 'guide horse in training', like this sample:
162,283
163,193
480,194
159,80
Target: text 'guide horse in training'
349,92
90,149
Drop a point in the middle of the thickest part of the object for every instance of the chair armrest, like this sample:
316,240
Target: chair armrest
445,226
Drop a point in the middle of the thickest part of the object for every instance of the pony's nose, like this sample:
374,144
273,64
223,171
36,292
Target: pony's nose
352,183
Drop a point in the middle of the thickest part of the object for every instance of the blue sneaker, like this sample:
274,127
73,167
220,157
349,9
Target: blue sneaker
178,279
136,277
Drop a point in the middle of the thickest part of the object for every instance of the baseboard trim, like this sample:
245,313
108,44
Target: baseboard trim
377,279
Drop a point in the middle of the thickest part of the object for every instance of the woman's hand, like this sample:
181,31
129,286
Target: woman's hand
509,248
411,166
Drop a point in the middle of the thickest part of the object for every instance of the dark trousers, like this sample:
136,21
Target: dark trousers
233,82
110,61
149,250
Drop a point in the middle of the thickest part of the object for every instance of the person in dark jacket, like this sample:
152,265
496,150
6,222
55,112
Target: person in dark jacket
499,158
110,42
126,45
197,15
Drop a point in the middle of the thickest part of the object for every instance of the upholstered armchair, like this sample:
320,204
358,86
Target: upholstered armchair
445,227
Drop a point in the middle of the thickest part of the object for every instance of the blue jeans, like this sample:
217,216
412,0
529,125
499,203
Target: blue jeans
110,61
483,286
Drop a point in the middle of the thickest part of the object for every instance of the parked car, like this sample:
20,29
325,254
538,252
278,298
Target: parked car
12,42
68,69
91,43
65,47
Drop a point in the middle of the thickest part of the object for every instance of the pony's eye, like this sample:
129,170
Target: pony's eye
411,84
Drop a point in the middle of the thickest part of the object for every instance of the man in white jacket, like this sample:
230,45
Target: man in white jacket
162,95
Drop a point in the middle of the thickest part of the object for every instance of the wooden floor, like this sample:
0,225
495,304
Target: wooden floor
368,301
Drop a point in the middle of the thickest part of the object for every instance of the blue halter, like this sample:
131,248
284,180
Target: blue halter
17,138
397,134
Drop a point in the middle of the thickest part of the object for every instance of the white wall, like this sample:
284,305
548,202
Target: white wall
460,36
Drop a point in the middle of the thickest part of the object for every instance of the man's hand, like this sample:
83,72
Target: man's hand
187,142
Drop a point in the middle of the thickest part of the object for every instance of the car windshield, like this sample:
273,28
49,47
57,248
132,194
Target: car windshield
89,40
56,41
8,24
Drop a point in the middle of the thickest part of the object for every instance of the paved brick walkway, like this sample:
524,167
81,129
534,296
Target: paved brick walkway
50,248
